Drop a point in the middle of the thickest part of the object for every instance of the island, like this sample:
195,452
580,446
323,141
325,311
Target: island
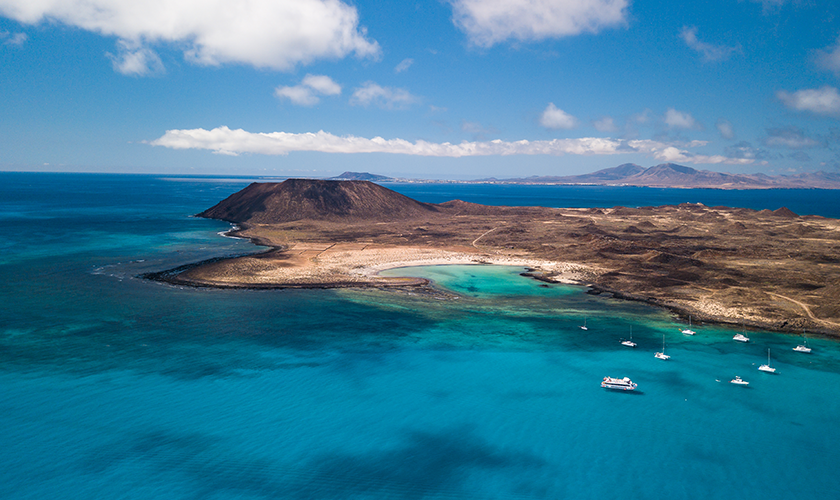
768,269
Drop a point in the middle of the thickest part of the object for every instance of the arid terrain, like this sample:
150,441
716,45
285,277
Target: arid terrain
772,269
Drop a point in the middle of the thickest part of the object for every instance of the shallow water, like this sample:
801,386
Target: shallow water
116,387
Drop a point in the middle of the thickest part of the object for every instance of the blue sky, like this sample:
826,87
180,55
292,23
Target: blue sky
436,89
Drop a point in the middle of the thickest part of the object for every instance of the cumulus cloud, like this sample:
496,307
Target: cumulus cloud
133,59
724,126
605,124
383,97
556,118
829,58
679,119
307,92
275,34
403,65
710,53
789,137
488,22
822,101
223,140
14,39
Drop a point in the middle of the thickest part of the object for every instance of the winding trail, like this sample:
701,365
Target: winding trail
485,233
806,308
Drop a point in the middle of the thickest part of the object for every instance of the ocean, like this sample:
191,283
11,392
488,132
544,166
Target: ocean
113,386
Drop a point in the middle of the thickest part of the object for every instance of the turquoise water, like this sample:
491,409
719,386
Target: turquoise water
116,387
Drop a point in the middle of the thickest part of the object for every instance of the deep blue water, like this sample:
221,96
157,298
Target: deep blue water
116,387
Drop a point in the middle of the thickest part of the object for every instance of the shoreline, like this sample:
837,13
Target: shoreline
368,276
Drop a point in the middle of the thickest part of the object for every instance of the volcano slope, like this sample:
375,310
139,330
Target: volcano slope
770,269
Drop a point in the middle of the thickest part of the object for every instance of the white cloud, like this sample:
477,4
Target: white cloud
276,34
488,22
555,118
14,39
679,119
223,140
789,137
710,53
384,97
133,59
605,124
306,93
724,126
822,101
403,65
829,59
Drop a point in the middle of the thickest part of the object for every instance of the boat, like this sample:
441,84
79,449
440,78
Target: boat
689,331
740,337
739,381
584,325
803,347
629,343
662,355
767,368
620,384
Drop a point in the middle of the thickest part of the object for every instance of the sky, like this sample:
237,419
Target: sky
439,89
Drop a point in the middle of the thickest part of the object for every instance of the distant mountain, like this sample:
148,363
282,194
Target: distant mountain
360,176
672,175
313,199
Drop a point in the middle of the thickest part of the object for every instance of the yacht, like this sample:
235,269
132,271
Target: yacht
740,337
662,355
584,325
803,347
629,343
621,384
767,368
689,331
738,380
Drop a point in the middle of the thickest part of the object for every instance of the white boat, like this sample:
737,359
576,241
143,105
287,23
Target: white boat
621,384
740,337
689,331
738,380
767,368
629,343
803,347
584,325
662,355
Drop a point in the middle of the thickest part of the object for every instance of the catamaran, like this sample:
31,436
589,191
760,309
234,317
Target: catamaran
741,337
620,384
689,331
662,355
767,368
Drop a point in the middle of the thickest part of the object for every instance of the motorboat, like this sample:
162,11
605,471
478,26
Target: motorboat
619,384
739,381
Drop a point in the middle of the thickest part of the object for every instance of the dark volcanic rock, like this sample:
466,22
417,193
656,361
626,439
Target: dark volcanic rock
298,199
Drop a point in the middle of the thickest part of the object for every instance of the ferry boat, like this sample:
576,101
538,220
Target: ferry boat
738,380
622,384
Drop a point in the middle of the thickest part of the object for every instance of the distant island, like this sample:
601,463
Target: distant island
668,175
770,269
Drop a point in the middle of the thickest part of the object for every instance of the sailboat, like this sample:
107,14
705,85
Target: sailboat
741,337
662,355
629,343
689,331
803,347
584,325
767,368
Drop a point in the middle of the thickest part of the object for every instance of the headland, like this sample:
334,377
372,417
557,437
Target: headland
767,269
